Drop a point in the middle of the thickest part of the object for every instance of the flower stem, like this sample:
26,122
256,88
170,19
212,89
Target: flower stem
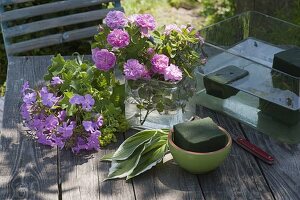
146,115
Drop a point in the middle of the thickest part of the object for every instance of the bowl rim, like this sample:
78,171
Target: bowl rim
229,143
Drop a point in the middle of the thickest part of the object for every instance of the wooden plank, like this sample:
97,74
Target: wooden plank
239,177
34,44
8,2
167,181
47,8
79,34
82,177
284,176
28,170
117,3
55,22
51,40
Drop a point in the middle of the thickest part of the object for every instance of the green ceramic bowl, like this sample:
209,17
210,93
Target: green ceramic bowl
199,163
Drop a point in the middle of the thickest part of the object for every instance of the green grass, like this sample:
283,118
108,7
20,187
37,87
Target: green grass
164,11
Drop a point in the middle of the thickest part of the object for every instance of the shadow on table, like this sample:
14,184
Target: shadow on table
27,170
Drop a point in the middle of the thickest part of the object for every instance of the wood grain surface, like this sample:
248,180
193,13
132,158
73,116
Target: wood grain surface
27,170
284,176
82,176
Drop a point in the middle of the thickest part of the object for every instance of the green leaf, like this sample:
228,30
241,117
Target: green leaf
187,73
127,148
72,110
48,77
122,168
157,98
157,143
160,107
140,106
107,157
143,93
118,96
148,160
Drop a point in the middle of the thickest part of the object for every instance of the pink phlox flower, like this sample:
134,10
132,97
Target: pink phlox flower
159,63
133,70
118,38
115,19
146,23
104,60
172,27
173,73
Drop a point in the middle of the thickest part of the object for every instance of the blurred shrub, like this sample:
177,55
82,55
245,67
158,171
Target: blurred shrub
140,6
187,4
290,13
216,10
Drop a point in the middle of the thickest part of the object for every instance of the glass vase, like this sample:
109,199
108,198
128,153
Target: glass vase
159,104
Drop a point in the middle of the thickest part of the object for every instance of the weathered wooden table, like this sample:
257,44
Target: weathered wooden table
31,171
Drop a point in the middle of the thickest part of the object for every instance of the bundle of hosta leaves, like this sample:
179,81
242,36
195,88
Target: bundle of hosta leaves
77,107
138,154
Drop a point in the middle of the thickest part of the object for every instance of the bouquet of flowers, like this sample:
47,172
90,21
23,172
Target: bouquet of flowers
78,107
153,61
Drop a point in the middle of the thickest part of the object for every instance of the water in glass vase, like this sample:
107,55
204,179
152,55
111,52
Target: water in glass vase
158,104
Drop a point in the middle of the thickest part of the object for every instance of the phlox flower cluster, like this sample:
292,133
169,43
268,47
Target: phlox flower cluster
42,113
118,38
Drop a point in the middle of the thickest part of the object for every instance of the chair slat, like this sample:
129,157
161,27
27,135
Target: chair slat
34,44
56,22
79,33
47,8
8,2
51,40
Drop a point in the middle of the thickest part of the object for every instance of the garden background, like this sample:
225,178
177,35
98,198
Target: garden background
199,13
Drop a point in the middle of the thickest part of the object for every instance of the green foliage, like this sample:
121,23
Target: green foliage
290,13
2,89
140,6
81,77
137,154
183,49
216,10
187,4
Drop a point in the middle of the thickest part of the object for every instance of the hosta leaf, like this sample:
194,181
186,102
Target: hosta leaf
122,168
162,140
132,143
107,157
138,153
148,160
